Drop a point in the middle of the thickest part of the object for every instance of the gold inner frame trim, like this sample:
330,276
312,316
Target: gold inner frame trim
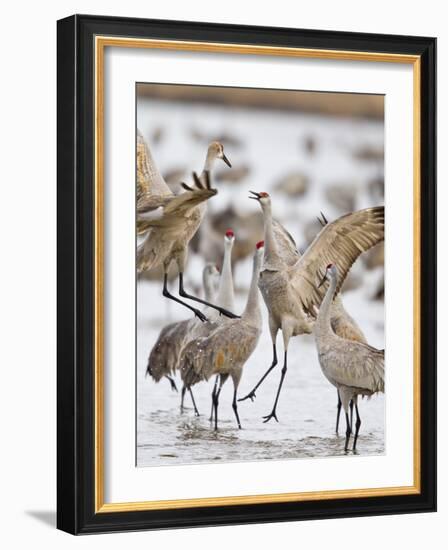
101,42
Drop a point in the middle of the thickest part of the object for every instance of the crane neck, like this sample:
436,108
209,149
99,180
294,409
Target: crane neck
209,288
323,323
209,161
226,294
337,307
208,165
271,253
252,312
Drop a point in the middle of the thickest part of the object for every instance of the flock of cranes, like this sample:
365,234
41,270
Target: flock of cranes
301,293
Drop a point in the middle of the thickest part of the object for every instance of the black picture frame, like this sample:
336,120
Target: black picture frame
76,255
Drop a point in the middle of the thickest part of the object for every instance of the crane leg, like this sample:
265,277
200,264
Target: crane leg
184,294
216,402
357,426
251,395
351,413
338,414
348,432
172,382
235,409
196,412
215,387
182,395
168,295
273,413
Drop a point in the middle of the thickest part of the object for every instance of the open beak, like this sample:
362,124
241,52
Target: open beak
324,278
256,195
226,160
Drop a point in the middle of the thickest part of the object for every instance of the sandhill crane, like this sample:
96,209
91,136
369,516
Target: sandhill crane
354,368
149,180
226,294
345,326
225,298
163,359
169,220
290,291
226,350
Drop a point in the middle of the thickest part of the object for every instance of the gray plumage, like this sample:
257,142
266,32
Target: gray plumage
290,290
170,220
227,348
354,368
224,351
285,244
345,326
163,360
171,224
149,180
164,357
343,323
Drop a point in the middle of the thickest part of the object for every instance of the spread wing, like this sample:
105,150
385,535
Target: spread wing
285,244
149,179
162,211
339,242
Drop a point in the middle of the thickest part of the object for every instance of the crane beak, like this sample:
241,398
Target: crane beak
324,278
226,160
256,197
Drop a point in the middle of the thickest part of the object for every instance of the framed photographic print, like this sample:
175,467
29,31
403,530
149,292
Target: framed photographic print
246,274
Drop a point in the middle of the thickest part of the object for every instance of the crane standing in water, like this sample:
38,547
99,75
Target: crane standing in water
354,368
165,354
291,292
345,326
163,359
226,349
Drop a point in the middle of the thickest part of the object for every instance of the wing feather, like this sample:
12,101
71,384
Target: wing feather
339,242
149,179
173,208
285,243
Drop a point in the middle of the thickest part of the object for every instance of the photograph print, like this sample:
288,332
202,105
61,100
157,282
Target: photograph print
260,274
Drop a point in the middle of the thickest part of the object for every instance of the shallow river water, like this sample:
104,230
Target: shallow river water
307,407
306,411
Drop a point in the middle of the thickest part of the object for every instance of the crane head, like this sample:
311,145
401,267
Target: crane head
216,150
263,198
229,235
